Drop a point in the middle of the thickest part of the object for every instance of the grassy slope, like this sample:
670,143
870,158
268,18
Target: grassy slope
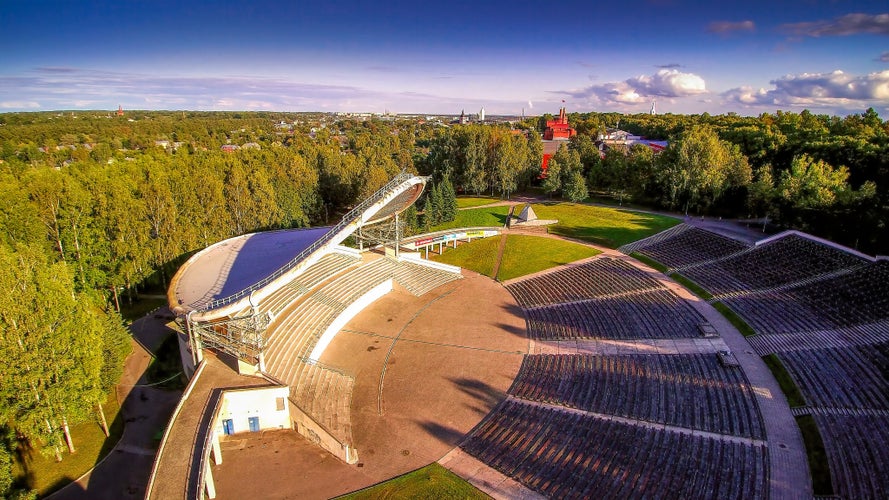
739,323
491,216
649,262
432,482
817,456
478,256
44,475
788,386
474,201
600,225
692,286
529,254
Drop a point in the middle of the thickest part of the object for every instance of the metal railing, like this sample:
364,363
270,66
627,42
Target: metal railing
323,240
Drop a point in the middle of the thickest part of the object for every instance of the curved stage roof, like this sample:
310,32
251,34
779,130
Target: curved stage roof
233,265
220,280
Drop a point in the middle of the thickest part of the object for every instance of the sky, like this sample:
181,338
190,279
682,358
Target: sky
430,56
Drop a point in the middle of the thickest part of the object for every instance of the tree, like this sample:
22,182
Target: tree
813,184
553,180
575,188
448,206
699,167
53,349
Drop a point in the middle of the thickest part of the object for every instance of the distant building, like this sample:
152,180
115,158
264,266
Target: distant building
559,128
230,148
119,110
557,132
616,137
481,115
463,118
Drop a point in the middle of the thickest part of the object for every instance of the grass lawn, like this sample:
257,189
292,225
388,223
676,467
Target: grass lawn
648,261
742,326
788,386
474,201
604,226
818,466
478,217
479,256
692,286
44,475
529,254
432,482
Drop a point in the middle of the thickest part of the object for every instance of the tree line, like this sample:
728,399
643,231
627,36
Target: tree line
93,207
89,218
827,175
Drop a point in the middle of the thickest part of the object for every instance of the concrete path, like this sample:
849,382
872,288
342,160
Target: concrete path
789,475
124,472
788,465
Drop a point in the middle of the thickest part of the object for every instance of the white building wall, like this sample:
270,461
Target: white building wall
269,404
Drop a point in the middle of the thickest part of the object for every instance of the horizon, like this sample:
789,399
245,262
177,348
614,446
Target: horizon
407,58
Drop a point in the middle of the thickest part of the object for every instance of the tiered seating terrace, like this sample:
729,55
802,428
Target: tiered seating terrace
850,377
789,259
297,329
656,314
327,266
691,247
563,454
858,454
692,391
600,277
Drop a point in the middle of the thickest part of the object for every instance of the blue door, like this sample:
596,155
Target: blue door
254,424
228,427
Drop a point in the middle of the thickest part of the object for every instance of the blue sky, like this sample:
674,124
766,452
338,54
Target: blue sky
443,56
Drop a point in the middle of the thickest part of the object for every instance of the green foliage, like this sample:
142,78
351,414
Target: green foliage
819,467
812,183
430,482
478,159
449,201
553,181
785,381
604,226
699,167
44,474
57,344
575,187
525,255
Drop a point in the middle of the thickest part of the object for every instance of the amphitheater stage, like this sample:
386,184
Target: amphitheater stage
236,263
427,370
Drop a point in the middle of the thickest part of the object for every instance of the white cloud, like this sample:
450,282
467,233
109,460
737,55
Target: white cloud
835,89
74,88
726,27
670,83
850,24
19,104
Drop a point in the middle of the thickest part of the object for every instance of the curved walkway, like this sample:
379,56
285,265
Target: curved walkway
788,464
124,472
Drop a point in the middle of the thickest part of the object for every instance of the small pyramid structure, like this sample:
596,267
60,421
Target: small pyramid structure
527,214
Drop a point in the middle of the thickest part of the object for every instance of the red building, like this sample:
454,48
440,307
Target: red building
559,128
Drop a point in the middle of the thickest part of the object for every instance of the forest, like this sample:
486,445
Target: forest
95,207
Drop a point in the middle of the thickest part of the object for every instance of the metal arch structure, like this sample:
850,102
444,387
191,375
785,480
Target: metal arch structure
223,324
